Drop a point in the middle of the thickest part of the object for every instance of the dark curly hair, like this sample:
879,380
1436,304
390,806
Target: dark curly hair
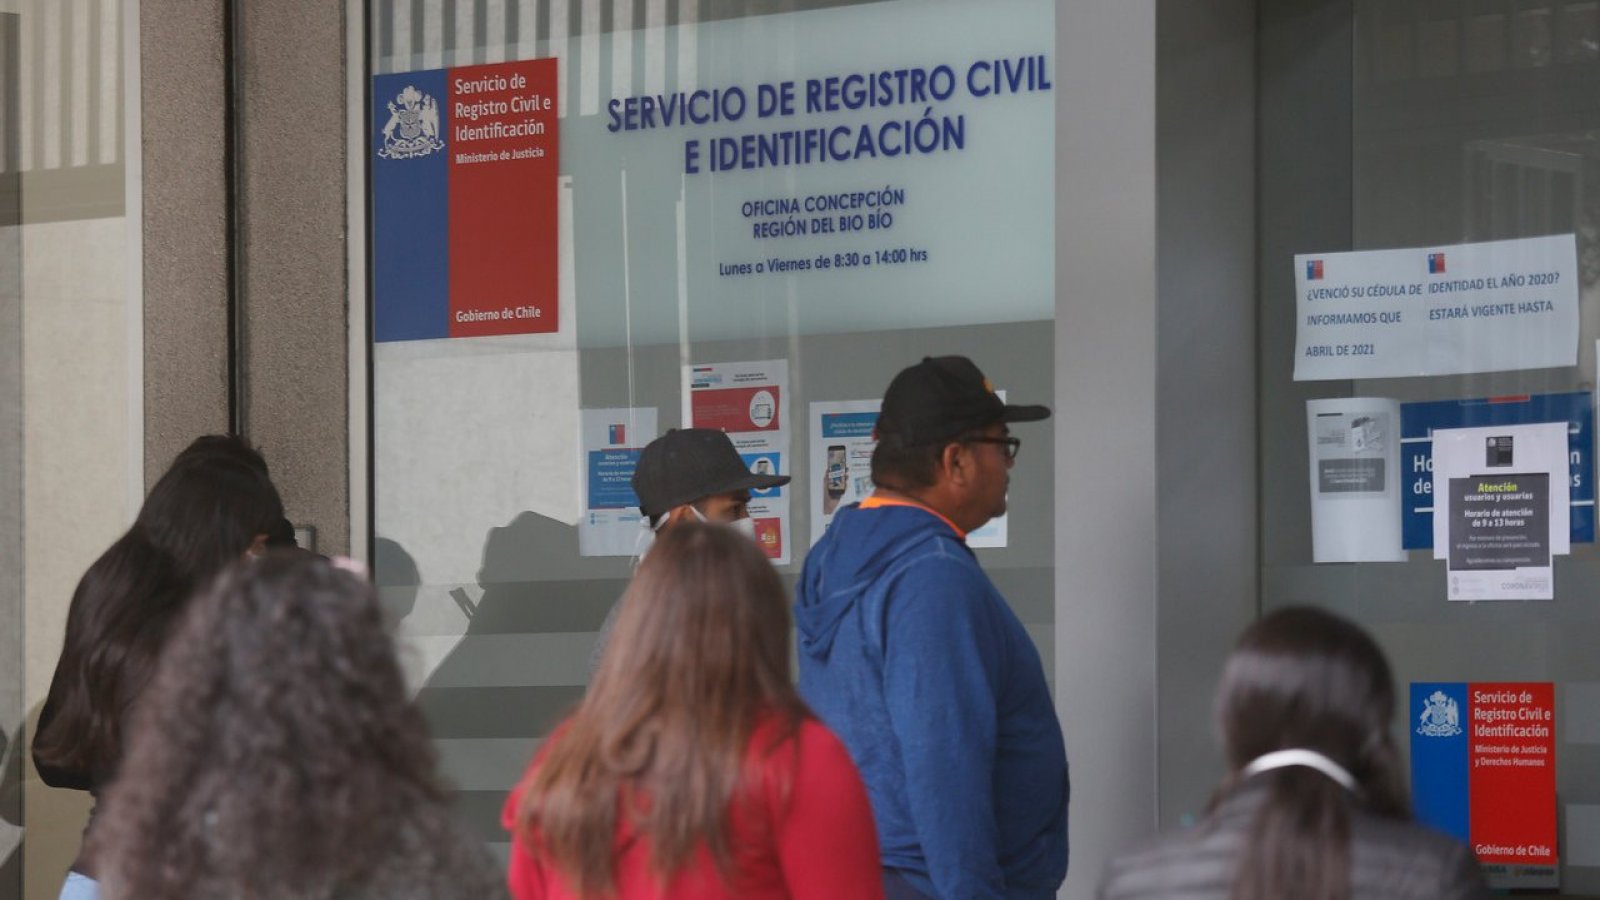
277,754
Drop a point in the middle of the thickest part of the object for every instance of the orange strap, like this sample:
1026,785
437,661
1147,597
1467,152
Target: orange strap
877,502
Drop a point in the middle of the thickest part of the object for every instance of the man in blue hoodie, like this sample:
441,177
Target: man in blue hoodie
911,655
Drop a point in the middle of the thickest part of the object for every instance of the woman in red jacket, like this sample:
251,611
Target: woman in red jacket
692,769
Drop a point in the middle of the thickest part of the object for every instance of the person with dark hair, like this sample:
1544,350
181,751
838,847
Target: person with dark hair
911,654
691,475
281,534
277,754
697,475
214,505
692,769
1313,806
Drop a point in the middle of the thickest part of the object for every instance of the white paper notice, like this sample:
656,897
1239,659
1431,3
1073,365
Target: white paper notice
1501,509
612,439
1355,480
841,459
1485,307
750,402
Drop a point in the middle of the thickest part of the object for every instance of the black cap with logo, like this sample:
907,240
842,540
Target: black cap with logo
942,397
688,464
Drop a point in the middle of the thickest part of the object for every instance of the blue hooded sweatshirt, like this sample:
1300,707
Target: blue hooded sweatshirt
911,656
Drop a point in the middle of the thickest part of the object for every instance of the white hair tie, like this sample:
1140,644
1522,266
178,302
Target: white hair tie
1310,759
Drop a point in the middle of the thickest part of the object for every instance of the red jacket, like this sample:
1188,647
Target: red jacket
821,840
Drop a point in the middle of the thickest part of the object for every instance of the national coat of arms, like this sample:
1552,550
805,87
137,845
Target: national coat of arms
413,126
1440,716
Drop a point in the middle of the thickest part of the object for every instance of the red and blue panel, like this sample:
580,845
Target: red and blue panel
1483,769
464,202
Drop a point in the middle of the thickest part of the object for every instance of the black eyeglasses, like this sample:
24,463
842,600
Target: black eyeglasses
1012,443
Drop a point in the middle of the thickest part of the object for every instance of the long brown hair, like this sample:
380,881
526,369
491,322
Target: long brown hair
276,753
1308,679
699,657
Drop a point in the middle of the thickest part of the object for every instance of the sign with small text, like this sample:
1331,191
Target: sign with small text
1483,769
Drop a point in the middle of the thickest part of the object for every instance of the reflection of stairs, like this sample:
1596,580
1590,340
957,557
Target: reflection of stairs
499,689
1418,39
1539,184
1535,185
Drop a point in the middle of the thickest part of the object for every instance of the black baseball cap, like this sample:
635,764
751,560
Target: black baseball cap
942,397
686,464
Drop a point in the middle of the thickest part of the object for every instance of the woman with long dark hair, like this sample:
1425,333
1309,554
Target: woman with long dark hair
692,769
1313,807
213,506
277,755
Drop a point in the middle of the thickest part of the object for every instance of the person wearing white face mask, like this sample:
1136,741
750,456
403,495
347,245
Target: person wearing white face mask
695,474
692,475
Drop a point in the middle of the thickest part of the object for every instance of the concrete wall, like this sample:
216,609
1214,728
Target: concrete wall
185,225
292,193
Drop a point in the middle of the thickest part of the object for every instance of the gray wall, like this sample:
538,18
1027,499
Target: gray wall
1156,497
1205,376
1106,424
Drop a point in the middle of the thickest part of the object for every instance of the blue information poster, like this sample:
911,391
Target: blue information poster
1418,422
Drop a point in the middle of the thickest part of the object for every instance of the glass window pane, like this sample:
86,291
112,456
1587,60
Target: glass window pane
1470,121
693,231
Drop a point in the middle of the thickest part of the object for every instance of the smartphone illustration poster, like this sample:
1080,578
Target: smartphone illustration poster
840,458
612,524
840,461
750,402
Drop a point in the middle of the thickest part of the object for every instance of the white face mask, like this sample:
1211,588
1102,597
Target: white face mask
745,526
